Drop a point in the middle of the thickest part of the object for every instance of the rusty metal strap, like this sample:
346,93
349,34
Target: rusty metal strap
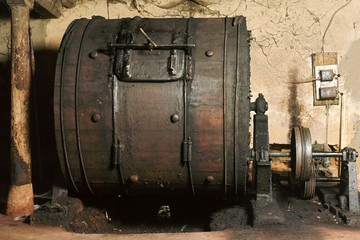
185,47
187,153
77,123
64,47
115,148
236,112
224,107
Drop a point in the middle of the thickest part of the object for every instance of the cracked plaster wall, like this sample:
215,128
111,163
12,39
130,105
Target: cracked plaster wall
285,32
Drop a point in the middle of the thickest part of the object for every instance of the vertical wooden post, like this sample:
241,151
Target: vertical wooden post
20,200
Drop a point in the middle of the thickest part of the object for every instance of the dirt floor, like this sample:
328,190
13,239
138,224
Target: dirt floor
10,229
143,218
156,215
128,216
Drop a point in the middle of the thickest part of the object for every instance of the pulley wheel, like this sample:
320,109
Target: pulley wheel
308,187
301,154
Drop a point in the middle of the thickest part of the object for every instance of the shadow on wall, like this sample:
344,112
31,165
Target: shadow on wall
42,135
4,132
5,66
43,146
349,67
294,107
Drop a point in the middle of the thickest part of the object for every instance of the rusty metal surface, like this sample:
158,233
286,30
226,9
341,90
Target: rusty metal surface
165,115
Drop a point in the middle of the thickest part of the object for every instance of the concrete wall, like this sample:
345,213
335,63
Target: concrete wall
285,34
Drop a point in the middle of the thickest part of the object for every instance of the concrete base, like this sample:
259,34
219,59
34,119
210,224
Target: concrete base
352,219
266,212
329,197
328,194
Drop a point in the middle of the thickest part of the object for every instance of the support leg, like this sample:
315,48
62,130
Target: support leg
348,180
265,210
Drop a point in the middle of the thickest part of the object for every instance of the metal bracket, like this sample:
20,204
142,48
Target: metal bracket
136,61
185,47
262,166
187,150
172,61
348,180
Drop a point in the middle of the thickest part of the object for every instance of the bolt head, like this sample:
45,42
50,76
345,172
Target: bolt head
174,118
93,54
95,117
210,179
209,53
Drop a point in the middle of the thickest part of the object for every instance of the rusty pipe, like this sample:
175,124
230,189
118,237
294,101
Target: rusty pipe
20,199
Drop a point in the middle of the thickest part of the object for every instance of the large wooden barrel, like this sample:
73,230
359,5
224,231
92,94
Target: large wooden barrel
154,106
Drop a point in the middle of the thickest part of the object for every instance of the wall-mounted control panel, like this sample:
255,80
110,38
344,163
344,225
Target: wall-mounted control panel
325,74
326,82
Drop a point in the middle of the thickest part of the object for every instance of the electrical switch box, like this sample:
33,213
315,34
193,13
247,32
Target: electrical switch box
325,72
326,75
327,93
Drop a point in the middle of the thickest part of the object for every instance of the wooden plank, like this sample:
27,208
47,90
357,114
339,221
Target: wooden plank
28,3
321,59
48,8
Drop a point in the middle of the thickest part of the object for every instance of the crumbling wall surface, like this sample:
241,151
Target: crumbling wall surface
285,34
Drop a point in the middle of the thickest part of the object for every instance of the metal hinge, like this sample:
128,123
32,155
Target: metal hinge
187,150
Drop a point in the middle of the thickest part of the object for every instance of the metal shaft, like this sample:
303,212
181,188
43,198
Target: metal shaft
328,179
280,154
327,154
314,154
20,200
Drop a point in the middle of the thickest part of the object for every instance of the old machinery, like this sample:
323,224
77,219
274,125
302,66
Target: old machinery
303,167
165,100
162,106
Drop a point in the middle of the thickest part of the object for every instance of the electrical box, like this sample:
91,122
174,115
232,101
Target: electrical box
325,73
327,93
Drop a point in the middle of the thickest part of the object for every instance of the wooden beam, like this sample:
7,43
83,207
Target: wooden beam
48,8
16,3
321,59
20,199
